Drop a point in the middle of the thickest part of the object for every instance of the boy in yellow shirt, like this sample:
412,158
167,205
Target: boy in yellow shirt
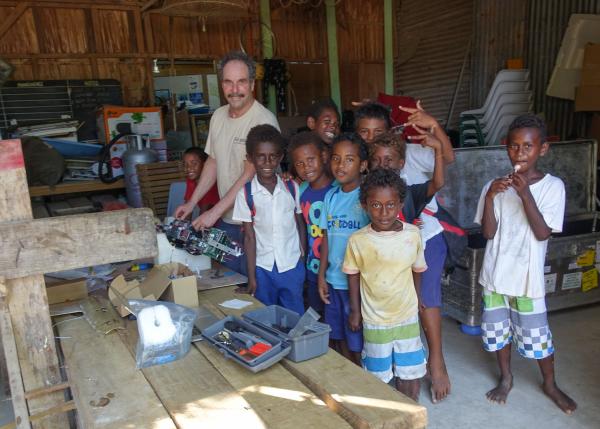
383,262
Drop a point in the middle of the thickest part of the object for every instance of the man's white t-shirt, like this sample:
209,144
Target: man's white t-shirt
418,168
275,227
513,263
226,143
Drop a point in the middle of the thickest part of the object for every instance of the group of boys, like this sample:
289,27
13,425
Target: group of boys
354,223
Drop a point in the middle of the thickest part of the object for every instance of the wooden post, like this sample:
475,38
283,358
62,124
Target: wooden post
332,53
267,45
27,301
388,38
29,248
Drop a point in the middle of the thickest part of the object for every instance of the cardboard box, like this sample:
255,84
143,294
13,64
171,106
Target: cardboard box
587,99
157,284
590,71
72,290
184,288
146,121
151,288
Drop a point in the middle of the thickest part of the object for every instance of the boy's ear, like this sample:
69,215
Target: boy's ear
544,149
311,123
402,162
364,165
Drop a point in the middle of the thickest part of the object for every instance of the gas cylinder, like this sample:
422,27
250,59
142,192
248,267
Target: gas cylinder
137,153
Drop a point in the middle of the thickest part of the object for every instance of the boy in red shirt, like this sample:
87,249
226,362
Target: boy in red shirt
193,159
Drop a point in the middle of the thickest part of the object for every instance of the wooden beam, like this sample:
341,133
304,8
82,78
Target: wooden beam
148,5
27,302
75,187
13,18
17,391
45,245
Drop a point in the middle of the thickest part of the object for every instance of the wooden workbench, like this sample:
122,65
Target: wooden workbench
206,390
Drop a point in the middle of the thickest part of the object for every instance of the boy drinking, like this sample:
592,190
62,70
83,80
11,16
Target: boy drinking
518,213
309,159
193,161
383,262
274,230
372,120
342,215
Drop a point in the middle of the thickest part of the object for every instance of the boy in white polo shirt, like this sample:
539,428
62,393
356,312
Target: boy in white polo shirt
274,230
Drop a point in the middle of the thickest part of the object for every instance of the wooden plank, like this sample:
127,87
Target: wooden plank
194,393
361,399
15,379
27,303
100,366
62,408
45,245
71,188
13,18
279,398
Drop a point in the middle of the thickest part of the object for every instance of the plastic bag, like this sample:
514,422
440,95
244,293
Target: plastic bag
165,331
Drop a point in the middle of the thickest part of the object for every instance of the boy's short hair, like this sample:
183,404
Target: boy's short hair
373,111
318,106
261,134
529,121
355,139
194,150
304,138
237,56
393,141
382,178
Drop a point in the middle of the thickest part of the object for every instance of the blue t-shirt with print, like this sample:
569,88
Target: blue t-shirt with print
342,216
311,201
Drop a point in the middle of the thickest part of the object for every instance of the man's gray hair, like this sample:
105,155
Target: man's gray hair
237,56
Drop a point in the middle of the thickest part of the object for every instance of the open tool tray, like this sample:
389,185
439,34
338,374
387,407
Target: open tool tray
313,342
241,341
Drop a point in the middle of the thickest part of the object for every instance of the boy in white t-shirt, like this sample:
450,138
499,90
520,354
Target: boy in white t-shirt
518,213
274,229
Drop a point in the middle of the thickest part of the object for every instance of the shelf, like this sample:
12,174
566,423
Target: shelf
74,187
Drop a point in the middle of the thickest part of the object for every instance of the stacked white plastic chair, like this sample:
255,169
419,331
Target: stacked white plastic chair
508,98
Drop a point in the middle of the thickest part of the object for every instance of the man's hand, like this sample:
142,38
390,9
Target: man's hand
419,117
498,186
205,220
323,290
355,320
183,211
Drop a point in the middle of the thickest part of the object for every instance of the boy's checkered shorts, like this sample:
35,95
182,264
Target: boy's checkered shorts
520,319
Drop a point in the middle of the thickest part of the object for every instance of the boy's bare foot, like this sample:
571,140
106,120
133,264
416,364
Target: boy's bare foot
501,391
560,398
410,388
440,382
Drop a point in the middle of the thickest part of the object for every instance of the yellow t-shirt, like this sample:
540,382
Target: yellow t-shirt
385,261
226,143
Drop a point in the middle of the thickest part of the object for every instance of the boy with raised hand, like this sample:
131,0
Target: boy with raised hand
518,213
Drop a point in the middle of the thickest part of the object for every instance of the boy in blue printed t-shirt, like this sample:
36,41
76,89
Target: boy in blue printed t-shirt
342,215
309,158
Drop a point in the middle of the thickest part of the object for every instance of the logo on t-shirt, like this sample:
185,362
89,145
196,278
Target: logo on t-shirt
239,140
312,212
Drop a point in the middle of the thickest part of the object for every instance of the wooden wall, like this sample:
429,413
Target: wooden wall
89,39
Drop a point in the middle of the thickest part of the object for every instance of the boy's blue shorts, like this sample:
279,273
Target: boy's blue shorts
435,257
336,316
284,289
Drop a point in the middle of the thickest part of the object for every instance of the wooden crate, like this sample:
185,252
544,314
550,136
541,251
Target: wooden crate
155,180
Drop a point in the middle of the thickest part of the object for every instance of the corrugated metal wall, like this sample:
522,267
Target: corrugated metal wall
432,35
432,38
500,33
548,20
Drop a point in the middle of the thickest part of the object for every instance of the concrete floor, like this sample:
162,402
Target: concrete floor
473,372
